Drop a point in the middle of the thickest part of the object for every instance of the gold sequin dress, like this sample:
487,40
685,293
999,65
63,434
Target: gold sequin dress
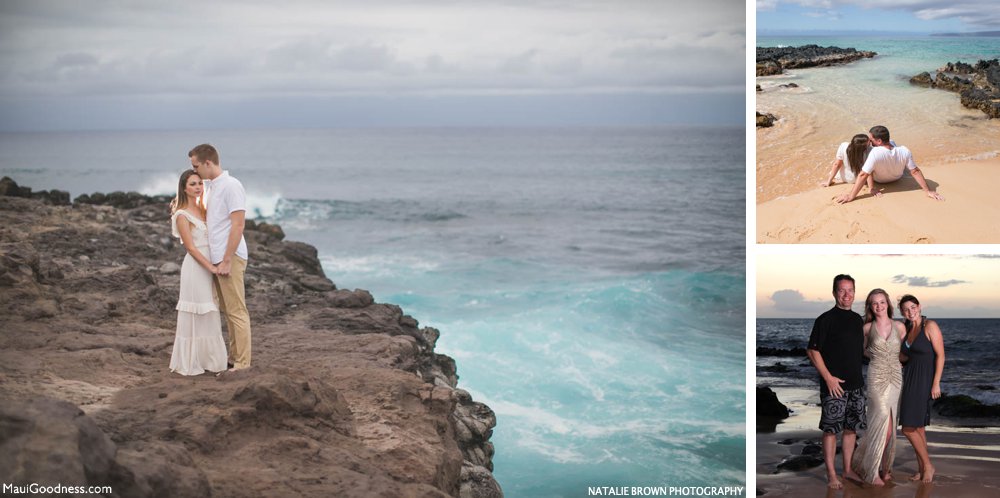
885,380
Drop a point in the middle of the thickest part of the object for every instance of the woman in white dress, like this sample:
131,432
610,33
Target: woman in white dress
198,345
849,160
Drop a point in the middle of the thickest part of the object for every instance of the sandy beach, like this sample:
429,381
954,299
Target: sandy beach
966,459
903,214
957,149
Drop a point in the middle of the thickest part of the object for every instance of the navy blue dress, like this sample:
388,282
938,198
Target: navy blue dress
918,377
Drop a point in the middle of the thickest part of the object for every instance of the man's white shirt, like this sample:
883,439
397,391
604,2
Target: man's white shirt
223,196
887,166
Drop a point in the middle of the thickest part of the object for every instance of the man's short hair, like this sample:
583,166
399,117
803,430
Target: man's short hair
205,152
840,277
880,132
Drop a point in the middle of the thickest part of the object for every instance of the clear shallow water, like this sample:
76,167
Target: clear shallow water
904,56
831,104
589,282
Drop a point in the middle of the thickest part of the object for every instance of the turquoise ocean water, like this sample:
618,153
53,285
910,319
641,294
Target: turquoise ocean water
902,56
589,281
829,105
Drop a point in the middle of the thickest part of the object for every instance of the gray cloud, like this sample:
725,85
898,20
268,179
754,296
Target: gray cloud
792,301
120,62
978,14
337,48
924,281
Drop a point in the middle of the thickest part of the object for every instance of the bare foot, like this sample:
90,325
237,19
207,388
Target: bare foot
850,474
834,482
916,477
878,482
887,477
929,474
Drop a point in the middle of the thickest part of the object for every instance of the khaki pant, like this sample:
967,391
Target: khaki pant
232,303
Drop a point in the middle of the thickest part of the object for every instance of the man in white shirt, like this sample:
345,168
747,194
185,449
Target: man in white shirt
225,217
886,163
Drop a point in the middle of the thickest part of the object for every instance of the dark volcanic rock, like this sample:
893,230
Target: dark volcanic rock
977,85
10,188
923,79
979,99
49,442
797,463
774,60
765,120
964,406
765,351
346,396
952,83
779,368
123,200
768,404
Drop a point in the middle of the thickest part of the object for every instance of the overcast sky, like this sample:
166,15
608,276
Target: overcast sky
948,286
189,64
919,16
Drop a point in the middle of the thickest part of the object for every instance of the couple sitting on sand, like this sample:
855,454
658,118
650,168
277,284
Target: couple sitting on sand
839,340
874,158
208,215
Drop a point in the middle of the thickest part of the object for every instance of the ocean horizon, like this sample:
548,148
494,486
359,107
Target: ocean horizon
969,356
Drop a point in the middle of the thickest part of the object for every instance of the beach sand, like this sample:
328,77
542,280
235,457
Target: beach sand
966,459
957,149
970,213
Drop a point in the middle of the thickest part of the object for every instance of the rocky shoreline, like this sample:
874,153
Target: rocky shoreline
346,396
775,60
978,85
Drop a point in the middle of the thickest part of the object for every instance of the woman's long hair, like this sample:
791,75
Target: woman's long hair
857,152
182,198
869,314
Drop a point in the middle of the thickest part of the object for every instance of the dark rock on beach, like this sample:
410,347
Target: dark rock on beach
797,463
766,351
346,396
978,85
765,120
775,60
963,406
779,368
768,404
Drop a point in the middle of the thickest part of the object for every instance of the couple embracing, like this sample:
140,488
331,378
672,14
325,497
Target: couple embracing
208,215
904,375
872,158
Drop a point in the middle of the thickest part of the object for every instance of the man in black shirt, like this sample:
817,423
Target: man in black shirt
836,349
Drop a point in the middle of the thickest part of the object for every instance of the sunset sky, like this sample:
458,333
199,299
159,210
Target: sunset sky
948,286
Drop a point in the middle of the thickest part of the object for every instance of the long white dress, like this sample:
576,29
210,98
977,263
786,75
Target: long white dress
198,345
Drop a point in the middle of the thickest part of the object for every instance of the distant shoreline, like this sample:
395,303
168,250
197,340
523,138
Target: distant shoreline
872,34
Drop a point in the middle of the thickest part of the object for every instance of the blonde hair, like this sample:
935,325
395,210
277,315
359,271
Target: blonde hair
869,314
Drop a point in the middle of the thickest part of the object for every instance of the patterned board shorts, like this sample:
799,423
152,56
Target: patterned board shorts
844,413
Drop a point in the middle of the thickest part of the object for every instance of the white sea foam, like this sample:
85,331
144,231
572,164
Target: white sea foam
261,205
164,184
559,453
376,265
258,204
